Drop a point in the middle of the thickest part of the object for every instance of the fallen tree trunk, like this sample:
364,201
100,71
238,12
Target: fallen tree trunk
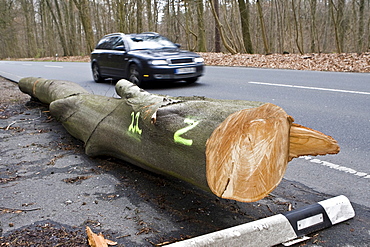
237,149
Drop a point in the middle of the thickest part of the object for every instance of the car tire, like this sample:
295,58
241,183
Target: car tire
96,73
191,80
134,75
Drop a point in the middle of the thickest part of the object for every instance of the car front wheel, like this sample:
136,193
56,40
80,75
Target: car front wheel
134,75
96,73
191,80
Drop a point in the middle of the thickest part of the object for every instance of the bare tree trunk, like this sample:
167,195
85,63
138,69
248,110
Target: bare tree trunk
220,28
297,32
313,31
84,11
192,43
202,46
342,26
29,15
121,13
244,18
279,32
71,24
139,16
7,37
263,29
150,19
236,149
360,33
217,30
336,24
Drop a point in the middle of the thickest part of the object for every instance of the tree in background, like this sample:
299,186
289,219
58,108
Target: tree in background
244,19
85,17
34,28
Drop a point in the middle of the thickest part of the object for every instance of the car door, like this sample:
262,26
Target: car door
118,58
102,55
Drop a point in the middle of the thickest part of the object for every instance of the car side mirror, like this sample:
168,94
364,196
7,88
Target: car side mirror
120,48
178,45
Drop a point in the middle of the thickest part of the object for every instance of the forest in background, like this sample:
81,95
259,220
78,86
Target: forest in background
41,28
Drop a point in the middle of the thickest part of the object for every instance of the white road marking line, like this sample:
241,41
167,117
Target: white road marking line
336,167
305,87
6,73
53,66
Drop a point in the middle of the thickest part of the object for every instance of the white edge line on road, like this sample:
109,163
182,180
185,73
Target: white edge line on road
53,66
337,167
305,87
3,74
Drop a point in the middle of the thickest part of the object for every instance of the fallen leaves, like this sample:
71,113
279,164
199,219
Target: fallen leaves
97,240
344,62
76,180
45,234
4,210
9,179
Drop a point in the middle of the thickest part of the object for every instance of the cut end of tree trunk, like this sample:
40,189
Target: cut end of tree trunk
248,153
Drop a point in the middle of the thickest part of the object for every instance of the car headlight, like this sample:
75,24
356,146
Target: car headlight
159,62
198,60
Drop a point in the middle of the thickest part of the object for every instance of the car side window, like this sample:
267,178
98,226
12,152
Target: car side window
119,43
102,43
108,43
111,43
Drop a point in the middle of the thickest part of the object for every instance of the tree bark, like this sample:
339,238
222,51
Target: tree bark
313,31
217,30
360,32
202,46
221,29
263,29
244,18
60,26
236,149
297,28
84,12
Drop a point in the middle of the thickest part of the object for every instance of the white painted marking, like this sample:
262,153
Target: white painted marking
336,167
27,64
295,241
310,221
305,87
53,66
9,74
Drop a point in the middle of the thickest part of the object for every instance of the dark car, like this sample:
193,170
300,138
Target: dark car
143,57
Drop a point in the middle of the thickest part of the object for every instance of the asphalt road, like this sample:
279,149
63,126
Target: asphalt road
336,104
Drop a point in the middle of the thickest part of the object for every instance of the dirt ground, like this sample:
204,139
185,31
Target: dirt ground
50,191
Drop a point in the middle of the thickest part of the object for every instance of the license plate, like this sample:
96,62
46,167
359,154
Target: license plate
185,70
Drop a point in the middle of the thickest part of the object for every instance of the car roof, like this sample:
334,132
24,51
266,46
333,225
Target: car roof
133,34
113,34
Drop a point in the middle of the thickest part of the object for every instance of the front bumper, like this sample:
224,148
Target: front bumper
173,72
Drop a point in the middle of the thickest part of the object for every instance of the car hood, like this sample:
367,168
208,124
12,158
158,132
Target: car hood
164,54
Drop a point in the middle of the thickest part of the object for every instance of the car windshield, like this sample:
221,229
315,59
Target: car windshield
143,42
